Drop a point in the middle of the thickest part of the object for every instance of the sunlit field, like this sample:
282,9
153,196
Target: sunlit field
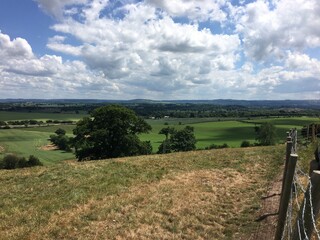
33,140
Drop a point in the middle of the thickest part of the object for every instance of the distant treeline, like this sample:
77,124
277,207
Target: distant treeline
34,122
173,110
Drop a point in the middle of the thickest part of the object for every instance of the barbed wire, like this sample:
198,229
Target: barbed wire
301,188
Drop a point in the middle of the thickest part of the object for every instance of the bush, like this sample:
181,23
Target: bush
22,163
165,147
33,161
12,161
60,140
214,146
245,143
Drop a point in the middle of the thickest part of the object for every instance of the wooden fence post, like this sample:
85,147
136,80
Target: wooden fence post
309,209
288,152
286,195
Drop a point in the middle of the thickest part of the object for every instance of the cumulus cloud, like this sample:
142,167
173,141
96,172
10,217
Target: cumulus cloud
154,47
17,48
270,28
201,10
57,44
57,8
171,49
22,73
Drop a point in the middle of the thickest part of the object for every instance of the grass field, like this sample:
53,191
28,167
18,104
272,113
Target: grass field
27,141
211,194
209,131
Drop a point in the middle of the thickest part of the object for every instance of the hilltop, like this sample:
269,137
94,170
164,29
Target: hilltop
209,194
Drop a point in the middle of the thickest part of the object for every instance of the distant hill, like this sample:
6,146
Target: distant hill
224,102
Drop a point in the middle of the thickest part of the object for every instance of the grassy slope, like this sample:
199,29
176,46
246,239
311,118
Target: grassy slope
195,195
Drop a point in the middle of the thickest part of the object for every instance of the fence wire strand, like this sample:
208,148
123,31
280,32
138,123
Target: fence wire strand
301,187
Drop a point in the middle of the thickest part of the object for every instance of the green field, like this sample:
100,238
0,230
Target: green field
27,141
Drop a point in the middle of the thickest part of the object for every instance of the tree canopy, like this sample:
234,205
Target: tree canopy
110,132
179,141
266,134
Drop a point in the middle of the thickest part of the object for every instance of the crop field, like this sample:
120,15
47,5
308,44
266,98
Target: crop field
33,141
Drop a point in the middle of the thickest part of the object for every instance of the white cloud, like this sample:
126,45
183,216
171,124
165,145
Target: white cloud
170,49
17,48
151,46
57,44
270,29
200,10
56,8
24,74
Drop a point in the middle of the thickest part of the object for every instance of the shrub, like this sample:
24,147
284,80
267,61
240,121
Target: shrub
33,161
245,143
214,146
22,163
10,161
165,147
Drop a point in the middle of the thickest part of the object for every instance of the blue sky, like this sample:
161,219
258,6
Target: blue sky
160,49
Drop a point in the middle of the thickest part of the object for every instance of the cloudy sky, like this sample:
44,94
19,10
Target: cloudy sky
160,49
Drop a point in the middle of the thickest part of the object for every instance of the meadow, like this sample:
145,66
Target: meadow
210,194
30,141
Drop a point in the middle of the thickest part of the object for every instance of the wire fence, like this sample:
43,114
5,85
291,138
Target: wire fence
302,203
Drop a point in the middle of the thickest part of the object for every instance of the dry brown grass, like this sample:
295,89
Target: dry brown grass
48,147
197,195
193,205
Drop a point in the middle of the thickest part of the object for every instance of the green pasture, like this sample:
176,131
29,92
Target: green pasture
214,131
24,142
27,141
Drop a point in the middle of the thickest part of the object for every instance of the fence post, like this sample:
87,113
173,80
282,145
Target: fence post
285,170
309,209
283,207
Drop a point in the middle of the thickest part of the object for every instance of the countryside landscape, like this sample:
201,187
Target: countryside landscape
212,192
159,119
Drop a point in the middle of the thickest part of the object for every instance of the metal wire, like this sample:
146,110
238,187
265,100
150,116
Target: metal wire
299,189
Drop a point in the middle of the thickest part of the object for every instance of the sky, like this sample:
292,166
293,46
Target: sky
160,49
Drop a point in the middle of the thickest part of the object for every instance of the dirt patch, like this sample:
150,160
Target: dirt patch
268,215
1,149
194,205
48,147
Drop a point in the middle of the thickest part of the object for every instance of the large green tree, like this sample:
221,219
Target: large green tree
266,134
110,132
179,141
